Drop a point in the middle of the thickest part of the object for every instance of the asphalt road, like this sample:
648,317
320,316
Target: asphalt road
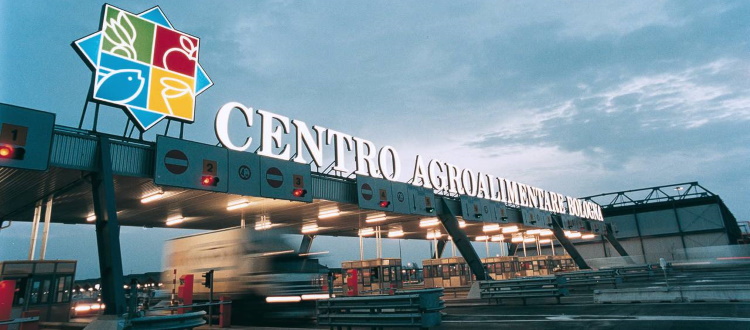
608,316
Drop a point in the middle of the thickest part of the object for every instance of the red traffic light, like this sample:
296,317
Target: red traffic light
384,203
8,152
208,180
299,192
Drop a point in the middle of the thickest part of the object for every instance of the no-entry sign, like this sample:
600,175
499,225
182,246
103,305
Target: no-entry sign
176,161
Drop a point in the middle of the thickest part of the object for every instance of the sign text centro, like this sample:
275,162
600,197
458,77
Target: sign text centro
384,163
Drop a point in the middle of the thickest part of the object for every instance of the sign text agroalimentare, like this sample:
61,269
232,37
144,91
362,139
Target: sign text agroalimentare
144,65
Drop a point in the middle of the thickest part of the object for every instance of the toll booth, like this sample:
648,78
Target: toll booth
446,273
501,268
563,264
41,285
376,276
535,266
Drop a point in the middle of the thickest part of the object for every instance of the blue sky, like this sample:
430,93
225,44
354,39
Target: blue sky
577,97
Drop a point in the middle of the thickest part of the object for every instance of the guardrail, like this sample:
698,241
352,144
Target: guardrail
224,312
636,272
456,290
589,278
176,321
21,321
532,287
418,309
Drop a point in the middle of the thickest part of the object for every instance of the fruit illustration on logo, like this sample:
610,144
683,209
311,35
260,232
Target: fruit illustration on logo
144,65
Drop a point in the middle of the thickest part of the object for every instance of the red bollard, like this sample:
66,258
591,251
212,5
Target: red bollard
392,291
29,325
7,289
225,312
185,292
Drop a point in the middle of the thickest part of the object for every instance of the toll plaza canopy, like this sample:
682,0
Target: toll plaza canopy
75,176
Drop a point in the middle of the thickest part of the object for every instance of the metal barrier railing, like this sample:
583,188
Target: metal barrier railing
420,308
20,320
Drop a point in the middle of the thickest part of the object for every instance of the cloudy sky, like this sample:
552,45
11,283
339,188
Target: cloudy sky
576,97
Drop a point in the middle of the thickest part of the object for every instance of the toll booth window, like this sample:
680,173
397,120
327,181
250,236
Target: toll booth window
39,291
20,292
398,271
366,276
438,271
63,288
446,272
454,270
386,274
375,274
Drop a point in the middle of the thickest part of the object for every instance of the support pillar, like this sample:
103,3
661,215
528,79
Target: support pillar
306,244
610,236
462,242
440,248
108,232
35,228
560,235
512,247
45,232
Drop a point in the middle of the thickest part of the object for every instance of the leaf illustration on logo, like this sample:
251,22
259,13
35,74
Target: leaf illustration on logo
173,89
189,49
122,34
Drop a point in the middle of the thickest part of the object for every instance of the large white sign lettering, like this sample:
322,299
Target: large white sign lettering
384,162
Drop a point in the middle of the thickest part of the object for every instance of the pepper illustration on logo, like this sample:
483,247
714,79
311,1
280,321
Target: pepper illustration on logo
142,64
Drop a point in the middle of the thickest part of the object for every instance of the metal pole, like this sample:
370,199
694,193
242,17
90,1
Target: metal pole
361,248
487,247
523,243
380,242
35,228
45,232
552,243
399,248
435,243
211,300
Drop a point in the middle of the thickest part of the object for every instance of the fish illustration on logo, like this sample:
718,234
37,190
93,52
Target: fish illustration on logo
120,86
141,63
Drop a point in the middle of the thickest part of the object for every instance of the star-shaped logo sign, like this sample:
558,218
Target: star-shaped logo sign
141,63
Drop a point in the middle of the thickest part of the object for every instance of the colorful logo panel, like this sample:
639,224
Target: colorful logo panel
141,63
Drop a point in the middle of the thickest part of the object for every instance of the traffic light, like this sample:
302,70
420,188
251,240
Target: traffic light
384,204
208,278
299,192
208,180
8,152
